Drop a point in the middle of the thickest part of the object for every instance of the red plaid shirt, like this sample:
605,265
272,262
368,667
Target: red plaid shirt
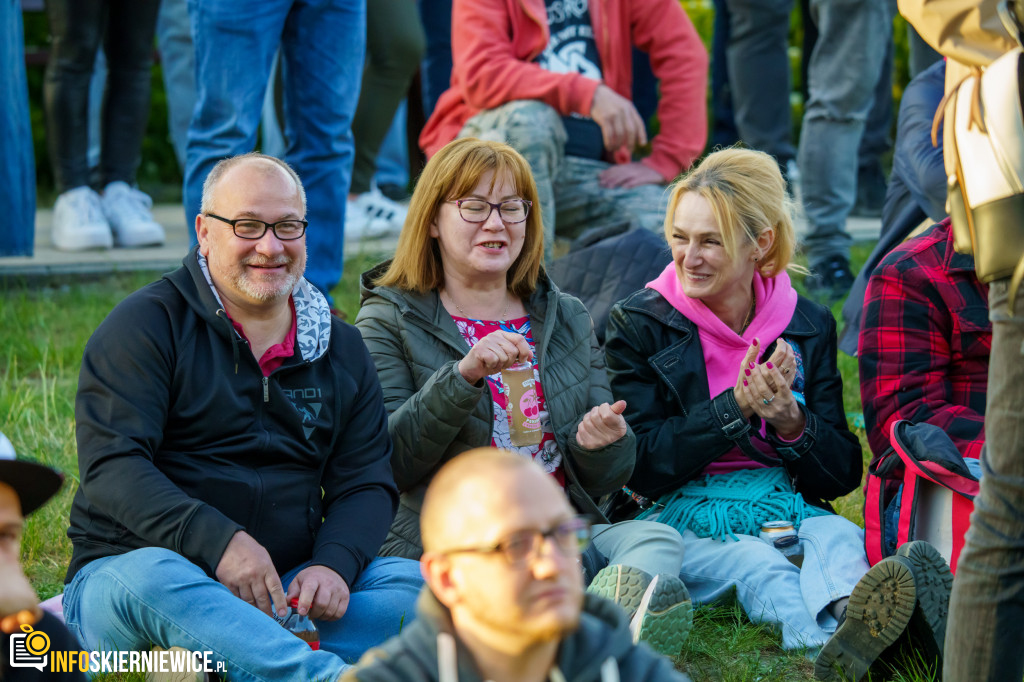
925,342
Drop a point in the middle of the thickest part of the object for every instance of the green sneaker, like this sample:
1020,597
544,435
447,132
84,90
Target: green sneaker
880,608
659,608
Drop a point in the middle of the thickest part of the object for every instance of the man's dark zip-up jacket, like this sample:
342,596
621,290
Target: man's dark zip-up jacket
182,441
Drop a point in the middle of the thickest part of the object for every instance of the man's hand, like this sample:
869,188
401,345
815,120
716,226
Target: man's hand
629,175
621,125
322,593
246,570
602,426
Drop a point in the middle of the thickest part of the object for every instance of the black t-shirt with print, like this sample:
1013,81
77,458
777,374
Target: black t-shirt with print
572,49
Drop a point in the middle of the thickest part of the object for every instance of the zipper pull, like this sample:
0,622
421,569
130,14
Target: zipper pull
266,390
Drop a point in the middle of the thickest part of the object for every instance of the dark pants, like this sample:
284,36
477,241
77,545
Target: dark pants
394,46
126,29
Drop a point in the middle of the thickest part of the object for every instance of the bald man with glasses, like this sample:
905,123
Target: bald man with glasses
504,598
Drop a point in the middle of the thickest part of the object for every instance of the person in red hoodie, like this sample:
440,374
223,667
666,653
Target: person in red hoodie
552,78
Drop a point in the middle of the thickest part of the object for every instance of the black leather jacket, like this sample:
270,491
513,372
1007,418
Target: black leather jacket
656,364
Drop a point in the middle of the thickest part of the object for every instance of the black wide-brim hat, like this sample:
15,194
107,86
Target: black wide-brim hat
34,483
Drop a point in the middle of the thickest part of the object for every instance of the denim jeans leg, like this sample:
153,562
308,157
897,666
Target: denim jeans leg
983,635
757,59
393,157
834,561
844,70
536,131
178,59
322,52
17,164
436,67
650,546
382,603
764,582
157,597
228,35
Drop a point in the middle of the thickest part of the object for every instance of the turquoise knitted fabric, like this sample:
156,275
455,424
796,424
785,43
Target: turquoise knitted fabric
737,502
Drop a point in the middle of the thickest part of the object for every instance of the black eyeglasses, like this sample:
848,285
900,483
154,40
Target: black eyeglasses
477,210
250,228
570,538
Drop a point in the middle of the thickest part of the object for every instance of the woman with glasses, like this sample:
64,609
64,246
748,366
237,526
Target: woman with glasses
466,297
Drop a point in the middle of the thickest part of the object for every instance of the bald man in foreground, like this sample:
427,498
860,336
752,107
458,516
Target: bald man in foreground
505,601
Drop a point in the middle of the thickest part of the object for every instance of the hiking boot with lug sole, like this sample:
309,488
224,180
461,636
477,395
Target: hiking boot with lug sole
659,608
934,582
880,608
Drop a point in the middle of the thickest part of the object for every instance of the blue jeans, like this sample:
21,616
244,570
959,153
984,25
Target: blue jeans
983,635
323,44
154,596
393,157
174,36
17,164
774,591
844,69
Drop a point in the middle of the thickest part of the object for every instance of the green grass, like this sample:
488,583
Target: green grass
43,331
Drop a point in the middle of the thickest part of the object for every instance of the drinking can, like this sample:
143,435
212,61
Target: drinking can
772,530
523,408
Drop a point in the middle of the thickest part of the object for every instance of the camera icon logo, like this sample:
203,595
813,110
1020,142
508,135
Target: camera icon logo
29,649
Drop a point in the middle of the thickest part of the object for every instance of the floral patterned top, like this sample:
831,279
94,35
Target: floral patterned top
546,452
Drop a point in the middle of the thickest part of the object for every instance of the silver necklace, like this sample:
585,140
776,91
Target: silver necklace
504,313
746,320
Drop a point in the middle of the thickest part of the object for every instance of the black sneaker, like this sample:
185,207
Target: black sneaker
829,280
880,609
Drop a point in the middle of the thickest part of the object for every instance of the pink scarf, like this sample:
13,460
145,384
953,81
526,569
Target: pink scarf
723,348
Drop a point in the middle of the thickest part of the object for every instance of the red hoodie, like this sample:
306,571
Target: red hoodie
494,43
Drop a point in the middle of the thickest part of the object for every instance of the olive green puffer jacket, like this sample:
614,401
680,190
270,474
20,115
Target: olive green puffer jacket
435,414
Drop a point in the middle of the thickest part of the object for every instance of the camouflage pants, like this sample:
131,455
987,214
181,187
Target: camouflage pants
573,204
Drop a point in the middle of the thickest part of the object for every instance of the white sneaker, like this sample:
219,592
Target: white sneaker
377,207
78,221
359,224
131,220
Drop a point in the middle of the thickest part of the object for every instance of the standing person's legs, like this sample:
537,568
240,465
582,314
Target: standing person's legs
152,596
76,28
436,69
394,44
983,637
322,51
128,44
234,46
382,602
177,57
844,70
17,169
535,130
757,58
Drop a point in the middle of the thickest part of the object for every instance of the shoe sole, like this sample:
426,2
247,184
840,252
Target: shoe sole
664,617
934,583
880,609
623,585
